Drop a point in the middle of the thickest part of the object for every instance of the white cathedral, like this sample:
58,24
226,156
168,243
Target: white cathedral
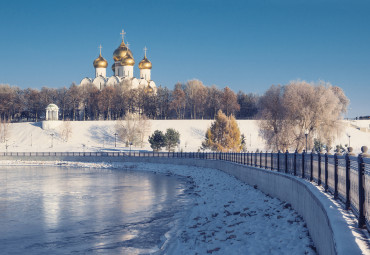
123,70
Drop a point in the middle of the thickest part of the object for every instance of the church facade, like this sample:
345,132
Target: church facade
123,70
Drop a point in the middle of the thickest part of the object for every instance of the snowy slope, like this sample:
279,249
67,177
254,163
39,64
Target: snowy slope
99,136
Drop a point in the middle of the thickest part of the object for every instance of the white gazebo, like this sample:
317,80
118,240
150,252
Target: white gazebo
52,112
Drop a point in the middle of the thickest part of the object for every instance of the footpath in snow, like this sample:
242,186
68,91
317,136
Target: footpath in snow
227,216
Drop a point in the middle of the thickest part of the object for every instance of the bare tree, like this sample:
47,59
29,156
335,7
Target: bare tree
106,100
195,96
143,128
214,100
229,102
74,98
287,112
62,100
272,118
4,130
178,102
66,130
133,129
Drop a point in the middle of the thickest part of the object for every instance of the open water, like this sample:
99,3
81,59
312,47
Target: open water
59,210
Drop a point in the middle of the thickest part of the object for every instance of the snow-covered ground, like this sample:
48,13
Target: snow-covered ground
99,136
227,216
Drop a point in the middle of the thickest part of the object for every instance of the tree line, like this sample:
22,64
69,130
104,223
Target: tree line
190,100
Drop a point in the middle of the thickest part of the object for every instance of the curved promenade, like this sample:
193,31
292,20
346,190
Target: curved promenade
328,229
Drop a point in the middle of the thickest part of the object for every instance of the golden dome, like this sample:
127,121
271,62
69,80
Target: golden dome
100,62
145,64
128,60
121,52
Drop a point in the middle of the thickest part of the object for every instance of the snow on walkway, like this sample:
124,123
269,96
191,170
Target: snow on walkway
228,216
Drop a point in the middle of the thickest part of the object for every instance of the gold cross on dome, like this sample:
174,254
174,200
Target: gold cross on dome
145,49
122,34
100,47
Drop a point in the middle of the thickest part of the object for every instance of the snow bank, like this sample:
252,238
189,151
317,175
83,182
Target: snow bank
99,136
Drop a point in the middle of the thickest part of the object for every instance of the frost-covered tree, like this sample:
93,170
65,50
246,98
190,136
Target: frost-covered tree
133,129
287,112
143,128
4,130
66,130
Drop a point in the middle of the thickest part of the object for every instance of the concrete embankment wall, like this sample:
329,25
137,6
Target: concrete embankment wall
328,230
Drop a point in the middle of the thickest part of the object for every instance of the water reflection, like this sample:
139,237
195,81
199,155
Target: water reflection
48,209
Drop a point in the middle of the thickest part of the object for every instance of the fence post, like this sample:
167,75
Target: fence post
255,158
336,174
361,190
266,160
251,158
311,167
286,161
319,168
261,159
278,161
348,180
303,163
326,173
272,160
295,163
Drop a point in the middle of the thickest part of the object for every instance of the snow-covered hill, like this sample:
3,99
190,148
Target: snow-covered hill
99,136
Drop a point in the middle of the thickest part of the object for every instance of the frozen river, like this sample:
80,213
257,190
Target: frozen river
60,210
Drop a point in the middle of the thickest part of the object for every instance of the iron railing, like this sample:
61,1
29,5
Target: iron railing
346,177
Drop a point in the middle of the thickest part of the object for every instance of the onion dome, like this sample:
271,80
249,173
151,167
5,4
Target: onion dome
145,64
121,52
100,62
128,61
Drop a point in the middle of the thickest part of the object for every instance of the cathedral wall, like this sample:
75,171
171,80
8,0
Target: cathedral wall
119,71
100,72
145,74
128,71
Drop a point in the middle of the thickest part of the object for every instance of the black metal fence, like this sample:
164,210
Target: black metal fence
346,177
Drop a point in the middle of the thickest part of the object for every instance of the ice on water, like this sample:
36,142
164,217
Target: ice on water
51,210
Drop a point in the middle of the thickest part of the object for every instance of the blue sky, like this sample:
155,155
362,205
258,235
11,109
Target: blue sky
246,45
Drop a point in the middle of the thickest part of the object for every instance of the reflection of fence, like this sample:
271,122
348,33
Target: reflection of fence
346,177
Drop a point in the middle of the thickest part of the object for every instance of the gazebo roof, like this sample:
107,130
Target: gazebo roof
52,107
